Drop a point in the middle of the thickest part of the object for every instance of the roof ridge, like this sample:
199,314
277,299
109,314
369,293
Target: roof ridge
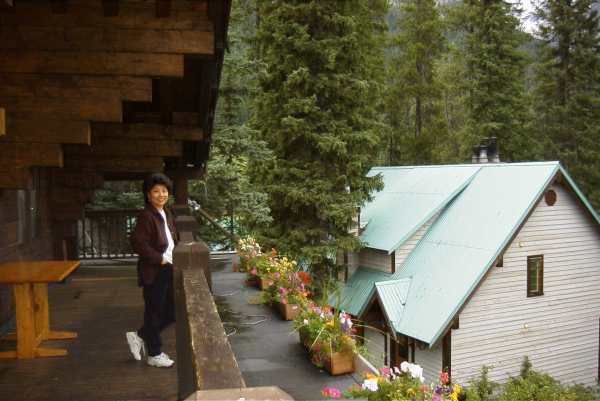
530,163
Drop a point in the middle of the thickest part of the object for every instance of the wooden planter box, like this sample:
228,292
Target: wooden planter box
340,363
262,283
287,311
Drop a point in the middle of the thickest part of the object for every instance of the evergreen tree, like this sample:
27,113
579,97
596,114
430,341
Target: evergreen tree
413,112
496,100
317,108
226,192
568,89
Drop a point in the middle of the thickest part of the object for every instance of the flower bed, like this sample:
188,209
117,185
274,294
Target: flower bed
403,384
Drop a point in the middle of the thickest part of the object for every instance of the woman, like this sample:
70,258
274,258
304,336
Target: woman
153,239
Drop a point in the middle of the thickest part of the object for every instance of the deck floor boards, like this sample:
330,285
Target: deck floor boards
100,304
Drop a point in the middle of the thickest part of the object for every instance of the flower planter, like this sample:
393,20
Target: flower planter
287,311
339,363
263,283
304,339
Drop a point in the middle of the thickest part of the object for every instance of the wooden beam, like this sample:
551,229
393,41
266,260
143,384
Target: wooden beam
163,8
126,147
110,8
178,118
116,164
6,3
77,178
47,131
15,178
89,39
76,86
97,109
30,154
2,122
148,131
92,63
132,14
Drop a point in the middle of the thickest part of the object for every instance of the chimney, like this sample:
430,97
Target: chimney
486,151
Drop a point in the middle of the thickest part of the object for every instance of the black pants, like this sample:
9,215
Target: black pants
159,309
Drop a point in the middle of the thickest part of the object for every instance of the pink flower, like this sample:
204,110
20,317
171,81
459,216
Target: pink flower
283,301
444,377
281,290
253,272
385,370
277,275
331,392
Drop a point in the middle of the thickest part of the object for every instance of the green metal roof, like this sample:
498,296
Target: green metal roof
392,295
473,228
410,197
357,290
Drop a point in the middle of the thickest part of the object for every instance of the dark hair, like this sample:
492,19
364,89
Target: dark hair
156,179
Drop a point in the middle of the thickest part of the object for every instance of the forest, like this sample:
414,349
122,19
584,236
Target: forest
315,93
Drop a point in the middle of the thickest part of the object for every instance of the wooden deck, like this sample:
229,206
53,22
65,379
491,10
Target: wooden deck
101,304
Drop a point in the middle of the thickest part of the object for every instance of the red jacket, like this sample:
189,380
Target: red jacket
149,241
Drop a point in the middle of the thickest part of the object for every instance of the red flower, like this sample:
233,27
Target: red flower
444,378
304,276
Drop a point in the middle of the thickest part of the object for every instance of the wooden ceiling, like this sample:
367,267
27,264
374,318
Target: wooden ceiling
107,89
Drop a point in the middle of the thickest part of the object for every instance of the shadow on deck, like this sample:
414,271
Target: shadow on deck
100,304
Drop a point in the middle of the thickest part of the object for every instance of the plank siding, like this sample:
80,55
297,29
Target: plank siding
559,330
375,342
431,362
407,247
375,259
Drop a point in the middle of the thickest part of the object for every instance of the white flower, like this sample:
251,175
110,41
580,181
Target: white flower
396,370
370,384
404,366
305,321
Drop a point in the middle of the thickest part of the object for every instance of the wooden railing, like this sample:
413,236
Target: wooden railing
104,234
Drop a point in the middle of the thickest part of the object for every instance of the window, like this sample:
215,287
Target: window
535,275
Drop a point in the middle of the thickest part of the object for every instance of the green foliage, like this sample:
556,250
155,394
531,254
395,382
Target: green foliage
118,195
413,112
482,389
530,385
494,84
317,109
226,191
568,89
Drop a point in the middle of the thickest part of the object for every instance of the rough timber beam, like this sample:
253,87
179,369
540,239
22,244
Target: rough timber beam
148,131
116,164
107,109
126,147
106,40
178,118
6,3
47,131
76,86
2,122
79,178
132,14
92,63
30,154
15,178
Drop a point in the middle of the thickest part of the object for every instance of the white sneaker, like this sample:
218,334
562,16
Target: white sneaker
136,345
161,360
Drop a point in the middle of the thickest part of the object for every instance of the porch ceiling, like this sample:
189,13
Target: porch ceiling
108,89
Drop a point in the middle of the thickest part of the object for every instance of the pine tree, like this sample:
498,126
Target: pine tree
317,108
413,112
495,82
568,89
226,192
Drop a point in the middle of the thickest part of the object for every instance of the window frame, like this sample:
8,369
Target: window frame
530,291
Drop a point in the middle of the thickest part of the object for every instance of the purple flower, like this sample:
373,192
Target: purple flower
281,290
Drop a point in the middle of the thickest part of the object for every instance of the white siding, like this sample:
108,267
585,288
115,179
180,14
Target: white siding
375,259
431,362
407,247
375,344
558,331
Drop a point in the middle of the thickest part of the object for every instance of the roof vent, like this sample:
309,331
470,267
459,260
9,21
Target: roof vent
486,151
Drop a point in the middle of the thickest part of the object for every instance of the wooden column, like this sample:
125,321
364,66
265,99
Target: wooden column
181,190
2,122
